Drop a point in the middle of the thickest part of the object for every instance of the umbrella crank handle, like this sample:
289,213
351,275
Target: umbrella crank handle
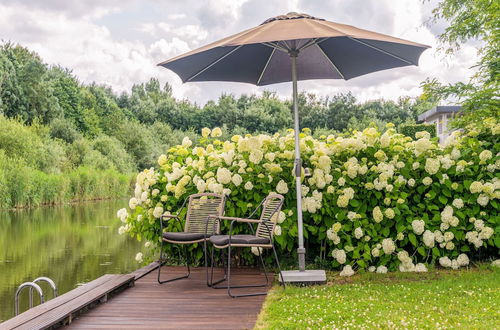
298,167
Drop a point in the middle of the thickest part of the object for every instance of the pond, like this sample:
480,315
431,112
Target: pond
71,244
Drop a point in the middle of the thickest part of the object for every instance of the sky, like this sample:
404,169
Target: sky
119,42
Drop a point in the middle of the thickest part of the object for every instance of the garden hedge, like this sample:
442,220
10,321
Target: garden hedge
375,200
411,129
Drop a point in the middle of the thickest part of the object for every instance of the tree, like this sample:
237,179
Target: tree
470,20
25,91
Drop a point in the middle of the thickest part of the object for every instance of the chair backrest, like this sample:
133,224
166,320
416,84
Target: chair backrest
199,208
271,207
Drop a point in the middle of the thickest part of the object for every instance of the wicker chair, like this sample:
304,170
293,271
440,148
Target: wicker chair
261,238
198,219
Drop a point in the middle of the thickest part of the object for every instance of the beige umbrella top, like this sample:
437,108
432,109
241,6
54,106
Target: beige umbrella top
294,26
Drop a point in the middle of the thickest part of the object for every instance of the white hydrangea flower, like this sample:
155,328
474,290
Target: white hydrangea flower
205,132
216,132
186,142
138,257
411,182
432,165
479,224
122,214
496,263
237,179
332,236
375,252
256,156
483,200
476,187
132,203
389,213
248,185
463,260
158,211
162,160
448,236
223,175
420,268
445,262
429,238
381,269
339,255
371,269
378,216
282,187
277,230
418,226
256,250
347,271
388,245
341,181
485,155
427,181
486,233
358,232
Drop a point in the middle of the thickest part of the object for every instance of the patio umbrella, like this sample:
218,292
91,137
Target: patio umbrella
295,47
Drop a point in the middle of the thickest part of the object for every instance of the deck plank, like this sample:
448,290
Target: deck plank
183,304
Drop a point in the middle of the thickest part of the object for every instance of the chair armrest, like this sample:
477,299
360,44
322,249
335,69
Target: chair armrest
235,219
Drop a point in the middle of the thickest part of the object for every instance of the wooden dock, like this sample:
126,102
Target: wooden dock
183,304
136,301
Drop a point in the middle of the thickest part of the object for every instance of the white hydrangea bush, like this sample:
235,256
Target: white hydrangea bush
374,200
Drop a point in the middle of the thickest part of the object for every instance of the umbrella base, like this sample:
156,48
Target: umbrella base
307,277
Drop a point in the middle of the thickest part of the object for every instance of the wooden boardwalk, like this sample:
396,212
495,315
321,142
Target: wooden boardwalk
183,304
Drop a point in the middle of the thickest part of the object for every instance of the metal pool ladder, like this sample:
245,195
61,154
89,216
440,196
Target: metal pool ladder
33,285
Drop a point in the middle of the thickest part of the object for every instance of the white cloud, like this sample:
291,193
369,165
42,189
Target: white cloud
89,38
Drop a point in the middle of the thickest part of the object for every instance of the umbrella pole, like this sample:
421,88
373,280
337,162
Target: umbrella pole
301,251
300,276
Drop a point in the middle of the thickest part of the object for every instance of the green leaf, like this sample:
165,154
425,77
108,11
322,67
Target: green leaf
421,250
413,239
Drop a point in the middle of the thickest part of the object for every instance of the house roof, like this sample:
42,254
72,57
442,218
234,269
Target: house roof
439,109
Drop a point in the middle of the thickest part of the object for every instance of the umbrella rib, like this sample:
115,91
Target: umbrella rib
275,46
213,63
383,51
265,67
331,62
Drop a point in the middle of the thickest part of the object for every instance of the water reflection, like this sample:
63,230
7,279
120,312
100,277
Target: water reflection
71,244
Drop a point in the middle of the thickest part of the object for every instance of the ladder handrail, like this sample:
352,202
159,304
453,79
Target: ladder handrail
25,285
44,279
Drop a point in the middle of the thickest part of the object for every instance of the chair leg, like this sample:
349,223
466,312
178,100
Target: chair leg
212,262
229,287
175,278
279,267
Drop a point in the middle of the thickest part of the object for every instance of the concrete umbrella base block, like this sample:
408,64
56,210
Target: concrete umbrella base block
307,277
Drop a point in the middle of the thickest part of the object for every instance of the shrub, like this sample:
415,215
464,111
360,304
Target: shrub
411,129
374,199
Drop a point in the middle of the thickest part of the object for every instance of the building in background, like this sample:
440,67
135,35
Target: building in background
440,116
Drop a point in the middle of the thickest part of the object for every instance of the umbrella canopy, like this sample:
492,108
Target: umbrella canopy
295,47
328,50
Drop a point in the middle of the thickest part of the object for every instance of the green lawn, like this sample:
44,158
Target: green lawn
437,299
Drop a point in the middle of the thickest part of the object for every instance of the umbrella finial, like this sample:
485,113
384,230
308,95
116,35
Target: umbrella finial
291,15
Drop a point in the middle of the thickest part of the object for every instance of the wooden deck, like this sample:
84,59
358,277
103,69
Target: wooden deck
183,304
62,309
